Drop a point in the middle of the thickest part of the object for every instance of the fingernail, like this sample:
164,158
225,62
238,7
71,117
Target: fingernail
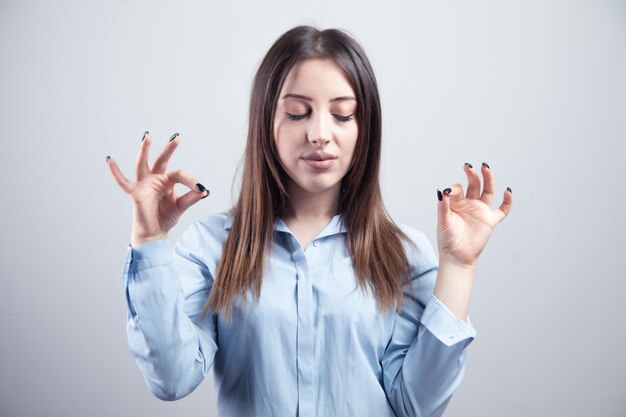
173,136
467,164
485,165
509,188
201,188
447,191
108,157
144,135
439,196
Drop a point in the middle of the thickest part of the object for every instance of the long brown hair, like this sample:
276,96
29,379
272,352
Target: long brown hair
373,240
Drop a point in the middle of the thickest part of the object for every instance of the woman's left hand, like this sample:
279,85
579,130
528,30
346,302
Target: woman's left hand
465,222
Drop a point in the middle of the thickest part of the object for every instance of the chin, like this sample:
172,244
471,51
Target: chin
316,186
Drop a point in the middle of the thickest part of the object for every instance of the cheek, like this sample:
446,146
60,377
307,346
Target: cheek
284,143
350,145
352,139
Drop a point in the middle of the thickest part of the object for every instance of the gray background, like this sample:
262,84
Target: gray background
535,88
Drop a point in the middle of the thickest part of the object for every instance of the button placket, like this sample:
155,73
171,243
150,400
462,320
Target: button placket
304,332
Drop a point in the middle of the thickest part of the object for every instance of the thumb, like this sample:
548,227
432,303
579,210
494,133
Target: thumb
197,192
191,197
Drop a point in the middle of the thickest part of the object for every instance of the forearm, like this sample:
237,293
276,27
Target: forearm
422,371
424,361
454,286
167,346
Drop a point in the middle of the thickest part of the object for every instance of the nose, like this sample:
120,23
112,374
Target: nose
319,130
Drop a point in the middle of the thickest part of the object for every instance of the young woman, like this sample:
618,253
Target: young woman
306,298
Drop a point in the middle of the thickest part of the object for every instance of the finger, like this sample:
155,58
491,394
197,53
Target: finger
160,163
443,208
473,181
455,192
121,180
489,187
197,189
505,207
191,197
142,170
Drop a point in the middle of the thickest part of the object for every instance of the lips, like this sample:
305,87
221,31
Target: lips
320,160
319,156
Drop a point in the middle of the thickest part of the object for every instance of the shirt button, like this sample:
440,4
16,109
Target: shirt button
316,243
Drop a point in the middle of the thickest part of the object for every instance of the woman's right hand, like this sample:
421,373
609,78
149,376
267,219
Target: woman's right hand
156,208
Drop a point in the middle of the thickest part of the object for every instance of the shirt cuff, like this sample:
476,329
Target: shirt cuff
148,255
446,326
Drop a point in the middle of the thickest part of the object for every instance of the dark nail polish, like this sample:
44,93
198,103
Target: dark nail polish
447,191
173,136
201,188
509,188
485,165
108,157
144,135
439,196
467,164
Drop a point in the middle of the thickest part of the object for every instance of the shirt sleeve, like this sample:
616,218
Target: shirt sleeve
425,359
172,344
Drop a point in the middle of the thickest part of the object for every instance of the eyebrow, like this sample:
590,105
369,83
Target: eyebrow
301,97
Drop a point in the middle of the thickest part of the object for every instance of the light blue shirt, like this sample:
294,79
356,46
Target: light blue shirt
314,345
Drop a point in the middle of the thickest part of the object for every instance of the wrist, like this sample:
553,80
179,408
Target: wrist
137,240
454,285
456,275
452,262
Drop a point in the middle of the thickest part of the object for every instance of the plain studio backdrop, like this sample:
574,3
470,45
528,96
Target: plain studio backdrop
536,88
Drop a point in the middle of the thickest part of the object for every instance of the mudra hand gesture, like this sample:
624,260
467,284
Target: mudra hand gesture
156,207
464,225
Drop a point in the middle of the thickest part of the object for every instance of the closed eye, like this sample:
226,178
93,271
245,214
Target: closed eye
343,119
297,116
338,117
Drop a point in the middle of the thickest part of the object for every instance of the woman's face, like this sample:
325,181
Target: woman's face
315,126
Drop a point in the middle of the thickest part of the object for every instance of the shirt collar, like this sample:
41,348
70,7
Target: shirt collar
335,226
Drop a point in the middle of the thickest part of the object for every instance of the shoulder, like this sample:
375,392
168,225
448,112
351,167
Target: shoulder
416,236
419,250
209,228
215,225
205,239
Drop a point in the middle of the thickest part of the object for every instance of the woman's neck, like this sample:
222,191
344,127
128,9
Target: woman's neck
306,213
307,206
